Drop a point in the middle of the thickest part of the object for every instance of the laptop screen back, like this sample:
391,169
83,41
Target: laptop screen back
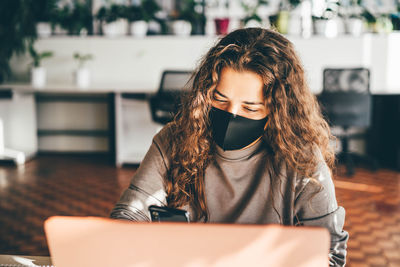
92,241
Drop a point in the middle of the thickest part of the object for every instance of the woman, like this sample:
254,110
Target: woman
249,145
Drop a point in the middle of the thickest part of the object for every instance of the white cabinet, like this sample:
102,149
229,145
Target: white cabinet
18,139
134,129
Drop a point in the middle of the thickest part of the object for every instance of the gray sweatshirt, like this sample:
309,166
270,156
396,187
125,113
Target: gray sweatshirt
237,189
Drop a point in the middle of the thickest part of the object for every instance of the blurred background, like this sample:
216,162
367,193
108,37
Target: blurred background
86,84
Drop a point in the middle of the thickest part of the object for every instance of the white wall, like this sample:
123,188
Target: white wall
136,64
133,63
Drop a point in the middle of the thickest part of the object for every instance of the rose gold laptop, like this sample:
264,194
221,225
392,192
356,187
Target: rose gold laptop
93,241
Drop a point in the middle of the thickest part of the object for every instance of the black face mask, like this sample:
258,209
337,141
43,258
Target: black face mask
232,132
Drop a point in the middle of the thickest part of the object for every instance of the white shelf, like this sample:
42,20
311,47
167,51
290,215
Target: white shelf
128,64
71,88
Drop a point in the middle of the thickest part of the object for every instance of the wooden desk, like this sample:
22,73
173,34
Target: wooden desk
19,260
69,119
127,129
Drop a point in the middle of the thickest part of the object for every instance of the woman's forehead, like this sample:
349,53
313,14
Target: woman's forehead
245,85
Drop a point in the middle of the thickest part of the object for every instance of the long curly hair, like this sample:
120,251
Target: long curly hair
296,128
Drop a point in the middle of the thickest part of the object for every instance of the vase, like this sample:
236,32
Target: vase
58,30
384,25
326,27
38,77
355,26
282,23
181,27
43,29
221,26
253,23
82,78
116,28
139,28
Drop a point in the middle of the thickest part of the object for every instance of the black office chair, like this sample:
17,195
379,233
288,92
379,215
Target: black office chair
346,102
165,103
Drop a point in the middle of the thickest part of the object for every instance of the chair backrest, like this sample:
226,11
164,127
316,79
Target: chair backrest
173,81
345,99
354,80
165,103
6,94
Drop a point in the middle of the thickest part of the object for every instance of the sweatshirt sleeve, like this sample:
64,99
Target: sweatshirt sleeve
146,187
316,205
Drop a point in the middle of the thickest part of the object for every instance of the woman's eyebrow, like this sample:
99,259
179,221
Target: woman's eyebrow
221,94
253,103
245,102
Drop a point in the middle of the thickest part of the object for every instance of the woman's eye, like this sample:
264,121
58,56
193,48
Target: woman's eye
251,110
220,100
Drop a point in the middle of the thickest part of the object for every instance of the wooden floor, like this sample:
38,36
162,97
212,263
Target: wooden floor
67,185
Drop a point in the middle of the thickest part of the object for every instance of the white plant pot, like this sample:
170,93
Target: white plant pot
43,29
38,77
139,28
250,24
341,27
320,26
327,28
58,30
154,27
181,27
116,28
355,26
82,77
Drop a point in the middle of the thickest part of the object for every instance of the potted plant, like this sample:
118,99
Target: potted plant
15,37
353,19
377,23
193,11
395,16
187,17
252,19
43,12
222,19
329,23
61,20
385,24
281,20
396,20
75,18
139,16
138,21
82,74
113,20
355,25
38,73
